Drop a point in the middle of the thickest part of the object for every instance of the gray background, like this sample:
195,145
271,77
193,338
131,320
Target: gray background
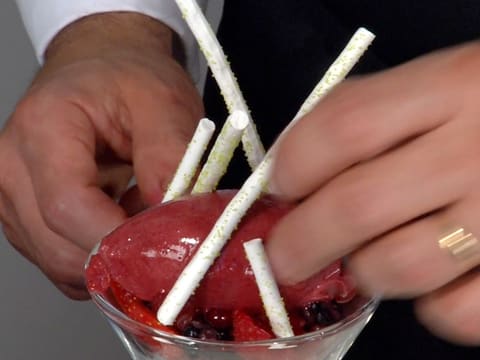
36,321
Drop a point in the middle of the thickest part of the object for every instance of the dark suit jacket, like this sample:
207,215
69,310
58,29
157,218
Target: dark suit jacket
280,49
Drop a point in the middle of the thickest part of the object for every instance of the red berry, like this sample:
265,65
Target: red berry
245,328
135,308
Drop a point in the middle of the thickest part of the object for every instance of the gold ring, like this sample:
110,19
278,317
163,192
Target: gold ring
460,244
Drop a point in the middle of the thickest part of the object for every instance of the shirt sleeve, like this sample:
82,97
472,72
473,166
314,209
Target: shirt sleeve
43,19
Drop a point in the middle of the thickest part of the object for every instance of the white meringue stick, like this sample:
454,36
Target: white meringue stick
339,69
211,247
336,73
269,293
224,76
221,153
190,161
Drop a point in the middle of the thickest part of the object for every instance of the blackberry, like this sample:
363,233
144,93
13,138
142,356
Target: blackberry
208,333
329,313
183,322
218,318
199,324
192,331
321,314
210,324
224,335
309,314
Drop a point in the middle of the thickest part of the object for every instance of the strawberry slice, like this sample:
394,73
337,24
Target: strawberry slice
135,308
245,328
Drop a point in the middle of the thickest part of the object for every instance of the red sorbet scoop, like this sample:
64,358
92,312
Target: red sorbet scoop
147,253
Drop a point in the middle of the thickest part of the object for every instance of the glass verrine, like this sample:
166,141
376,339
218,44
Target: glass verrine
143,342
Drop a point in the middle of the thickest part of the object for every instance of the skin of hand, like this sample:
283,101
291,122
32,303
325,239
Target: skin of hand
396,167
110,101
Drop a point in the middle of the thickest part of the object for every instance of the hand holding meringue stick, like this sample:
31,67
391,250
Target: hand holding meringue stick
224,76
194,272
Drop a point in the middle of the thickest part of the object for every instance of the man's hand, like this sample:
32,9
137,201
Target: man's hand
396,168
109,96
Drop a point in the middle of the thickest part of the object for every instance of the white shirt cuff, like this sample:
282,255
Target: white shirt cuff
43,19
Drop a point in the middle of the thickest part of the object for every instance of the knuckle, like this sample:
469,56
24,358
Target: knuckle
28,112
59,264
404,279
383,270
52,267
355,205
54,210
22,114
11,235
28,106
182,95
181,101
